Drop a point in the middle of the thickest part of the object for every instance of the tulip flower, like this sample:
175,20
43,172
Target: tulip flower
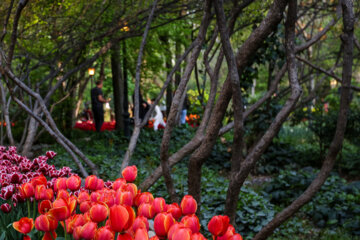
39,180
218,225
85,206
73,183
132,217
24,225
108,197
83,196
130,173
154,238
75,221
173,228
63,194
125,198
228,234
100,184
192,222
6,208
197,236
99,212
236,236
144,197
119,217
26,190
162,224
182,234
50,154
125,236
118,183
91,182
50,235
141,234
188,205
104,233
159,205
130,187
46,223
146,210
87,231
60,184
62,209
43,193
140,222
174,209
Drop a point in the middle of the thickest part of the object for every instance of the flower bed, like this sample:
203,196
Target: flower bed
94,209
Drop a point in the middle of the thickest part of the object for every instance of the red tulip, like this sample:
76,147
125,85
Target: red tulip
197,236
140,222
188,205
182,234
118,183
159,205
144,197
39,180
83,196
62,209
50,154
6,208
125,198
104,233
91,182
141,234
60,184
75,221
218,225
119,217
130,187
108,197
44,206
99,212
174,209
146,210
46,223
192,222
130,173
85,206
100,184
50,235
236,236
125,236
162,224
73,183
228,234
87,231
63,194
24,225
132,217
173,228
154,238
26,190
43,193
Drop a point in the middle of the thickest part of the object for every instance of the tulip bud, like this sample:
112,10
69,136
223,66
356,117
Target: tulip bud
60,184
159,205
119,217
91,182
50,154
146,210
46,223
6,208
27,190
73,183
140,222
218,225
174,209
192,222
141,234
188,205
24,225
144,197
125,236
197,236
182,234
99,212
162,224
130,173
104,233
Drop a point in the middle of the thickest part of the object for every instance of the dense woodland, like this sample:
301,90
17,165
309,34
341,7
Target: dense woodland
275,85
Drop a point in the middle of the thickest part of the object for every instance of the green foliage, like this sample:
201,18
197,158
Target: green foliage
337,203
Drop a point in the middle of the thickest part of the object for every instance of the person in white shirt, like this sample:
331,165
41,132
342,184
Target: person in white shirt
158,119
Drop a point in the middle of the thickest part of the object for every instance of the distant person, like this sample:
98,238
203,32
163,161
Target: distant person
185,107
158,118
97,101
143,107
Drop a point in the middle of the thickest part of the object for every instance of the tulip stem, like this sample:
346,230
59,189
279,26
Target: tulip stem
116,235
34,209
65,230
28,207
52,236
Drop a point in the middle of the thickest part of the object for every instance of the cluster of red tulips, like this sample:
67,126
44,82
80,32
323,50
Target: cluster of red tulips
94,209
16,170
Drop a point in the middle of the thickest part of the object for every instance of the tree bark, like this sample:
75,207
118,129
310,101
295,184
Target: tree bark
118,84
6,114
247,49
336,144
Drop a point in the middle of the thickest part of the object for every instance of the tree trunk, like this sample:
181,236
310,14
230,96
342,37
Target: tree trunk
117,86
32,129
5,111
336,144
